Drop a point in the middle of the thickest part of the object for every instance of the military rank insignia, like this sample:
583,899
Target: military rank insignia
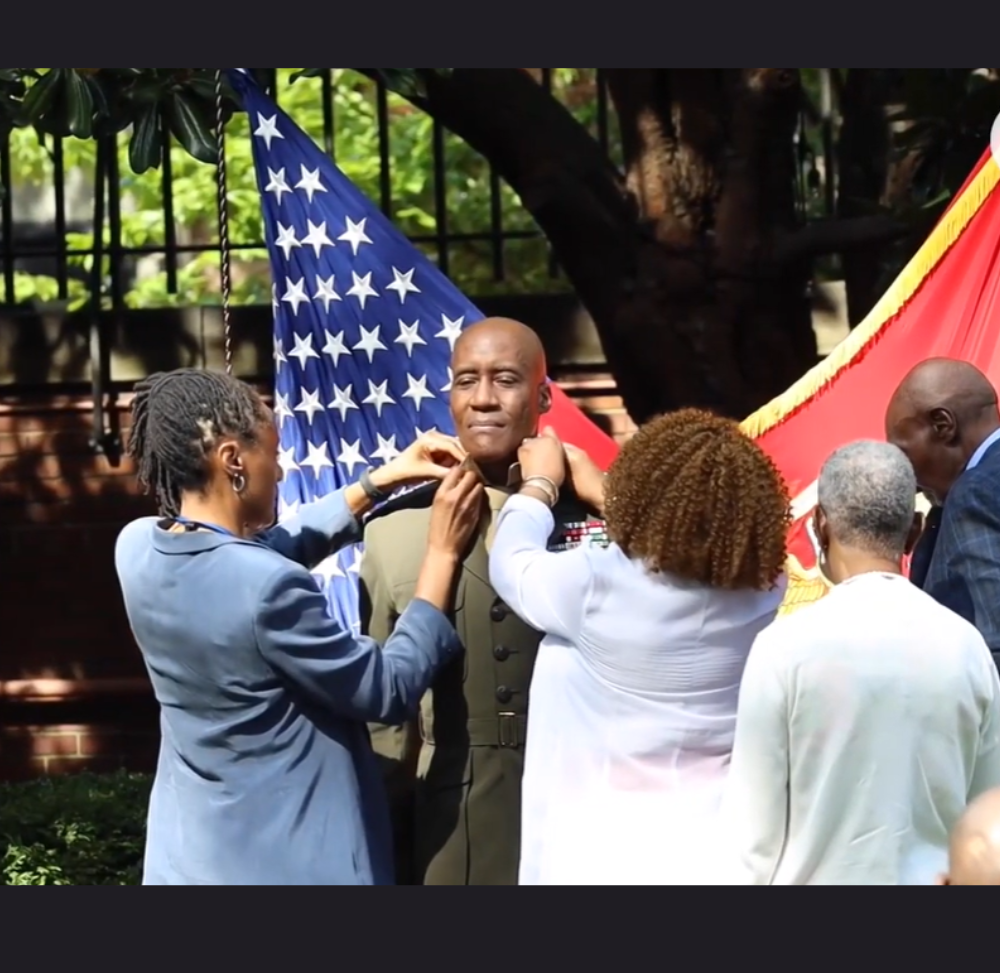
589,533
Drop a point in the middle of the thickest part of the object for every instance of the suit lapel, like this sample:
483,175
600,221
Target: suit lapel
923,555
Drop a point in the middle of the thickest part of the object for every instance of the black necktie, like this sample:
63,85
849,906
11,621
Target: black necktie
923,554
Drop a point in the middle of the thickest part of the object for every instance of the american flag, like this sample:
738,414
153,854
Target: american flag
364,329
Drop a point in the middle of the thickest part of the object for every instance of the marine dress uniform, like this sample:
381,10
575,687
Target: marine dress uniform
455,778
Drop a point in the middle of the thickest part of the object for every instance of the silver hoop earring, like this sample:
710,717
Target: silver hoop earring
239,484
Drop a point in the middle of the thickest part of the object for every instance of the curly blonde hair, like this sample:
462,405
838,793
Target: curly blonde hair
691,495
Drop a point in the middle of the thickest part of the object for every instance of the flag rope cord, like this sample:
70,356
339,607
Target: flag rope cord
854,348
224,251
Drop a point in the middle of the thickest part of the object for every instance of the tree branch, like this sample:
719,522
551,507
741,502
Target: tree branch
560,172
837,236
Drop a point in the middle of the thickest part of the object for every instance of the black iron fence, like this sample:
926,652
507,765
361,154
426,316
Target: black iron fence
160,241
160,245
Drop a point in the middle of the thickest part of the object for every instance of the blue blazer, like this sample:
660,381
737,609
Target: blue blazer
963,571
266,773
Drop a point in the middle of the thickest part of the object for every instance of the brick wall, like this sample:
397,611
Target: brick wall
73,690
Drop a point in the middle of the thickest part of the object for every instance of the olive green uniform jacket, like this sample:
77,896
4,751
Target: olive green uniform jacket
454,777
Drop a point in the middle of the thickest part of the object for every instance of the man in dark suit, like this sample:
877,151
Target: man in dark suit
945,417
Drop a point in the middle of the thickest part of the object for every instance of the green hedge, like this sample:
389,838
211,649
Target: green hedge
85,830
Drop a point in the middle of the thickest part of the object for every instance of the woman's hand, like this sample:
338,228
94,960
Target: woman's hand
430,458
455,515
544,457
586,478
458,507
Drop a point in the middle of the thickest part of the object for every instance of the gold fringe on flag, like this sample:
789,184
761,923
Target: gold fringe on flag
804,587
945,235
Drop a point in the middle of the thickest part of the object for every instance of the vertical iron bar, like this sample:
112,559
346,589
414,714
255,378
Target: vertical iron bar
7,222
603,114
384,146
441,197
329,122
62,260
115,224
496,225
829,154
548,78
97,342
169,215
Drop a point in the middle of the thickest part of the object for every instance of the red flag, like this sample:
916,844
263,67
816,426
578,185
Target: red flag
945,304
574,427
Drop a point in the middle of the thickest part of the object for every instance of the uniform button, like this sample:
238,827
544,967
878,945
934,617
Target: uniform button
501,653
504,695
499,613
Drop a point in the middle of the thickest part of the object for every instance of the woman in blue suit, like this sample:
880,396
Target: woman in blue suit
266,774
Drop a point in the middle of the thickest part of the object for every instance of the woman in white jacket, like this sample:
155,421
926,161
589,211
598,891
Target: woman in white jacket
633,705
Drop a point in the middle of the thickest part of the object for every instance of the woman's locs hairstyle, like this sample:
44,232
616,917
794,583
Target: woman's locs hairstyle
692,496
177,418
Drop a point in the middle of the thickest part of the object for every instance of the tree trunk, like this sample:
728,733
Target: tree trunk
692,265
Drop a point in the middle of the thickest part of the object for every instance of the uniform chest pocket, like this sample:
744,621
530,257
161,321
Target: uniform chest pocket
403,596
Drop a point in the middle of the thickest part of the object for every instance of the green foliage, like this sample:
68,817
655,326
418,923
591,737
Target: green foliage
85,830
356,149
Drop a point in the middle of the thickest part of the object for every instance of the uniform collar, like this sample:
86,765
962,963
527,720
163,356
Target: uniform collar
514,476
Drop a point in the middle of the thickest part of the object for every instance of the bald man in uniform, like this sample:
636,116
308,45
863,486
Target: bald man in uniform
455,778
945,417
975,846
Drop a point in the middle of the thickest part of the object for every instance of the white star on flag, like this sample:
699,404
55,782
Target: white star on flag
318,459
355,235
379,397
286,460
267,129
295,295
387,450
287,240
329,570
310,183
335,347
370,343
282,410
278,184
409,337
362,288
418,390
317,238
309,405
403,284
452,330
343,401
303,350
350,456
326,292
